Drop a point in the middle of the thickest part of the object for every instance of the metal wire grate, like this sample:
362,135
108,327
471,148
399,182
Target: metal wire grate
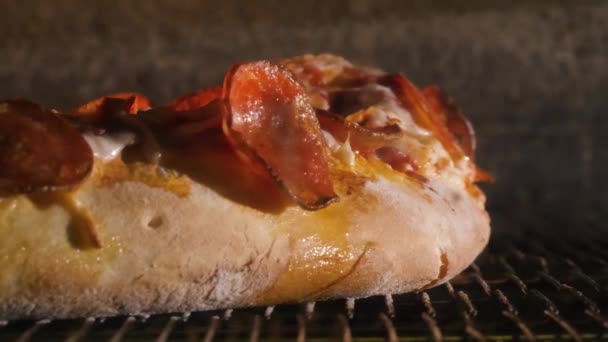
526,286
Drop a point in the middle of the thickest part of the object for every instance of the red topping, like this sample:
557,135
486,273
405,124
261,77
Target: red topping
196,100
360,138
269,118
189,116
397,159
349,101
39,150
423,112
452,118
133,103
184,123
483,176
434,110
315,76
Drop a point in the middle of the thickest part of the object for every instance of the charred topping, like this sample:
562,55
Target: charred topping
196,100
116,113
268,117
427,114
39,150
271,113
451,117
360,138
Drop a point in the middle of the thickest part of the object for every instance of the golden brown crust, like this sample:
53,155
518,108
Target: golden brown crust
185,225
166,251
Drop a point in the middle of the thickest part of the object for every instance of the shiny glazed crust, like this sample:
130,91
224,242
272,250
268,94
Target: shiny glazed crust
171,251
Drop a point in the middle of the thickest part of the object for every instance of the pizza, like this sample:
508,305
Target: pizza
298,179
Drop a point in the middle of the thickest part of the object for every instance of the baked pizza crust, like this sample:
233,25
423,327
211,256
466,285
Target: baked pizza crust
171,250
196,208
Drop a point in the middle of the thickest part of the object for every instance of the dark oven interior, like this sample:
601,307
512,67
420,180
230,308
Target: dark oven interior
532,77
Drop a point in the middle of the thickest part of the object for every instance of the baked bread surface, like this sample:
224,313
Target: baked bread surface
200,229
190,246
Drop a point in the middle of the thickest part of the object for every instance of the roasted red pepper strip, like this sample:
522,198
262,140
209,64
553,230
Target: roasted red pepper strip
95,108
39,151
269,118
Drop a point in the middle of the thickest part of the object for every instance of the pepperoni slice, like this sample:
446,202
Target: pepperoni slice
483,176
196,100
189,115
326,70
352,100
422,111
133,103
39,151
269,118
453,118
397,159
360,138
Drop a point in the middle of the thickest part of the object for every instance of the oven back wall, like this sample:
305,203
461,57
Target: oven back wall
532,77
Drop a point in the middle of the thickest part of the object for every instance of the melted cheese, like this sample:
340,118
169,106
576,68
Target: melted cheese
417,142
109,147
390,108
346,154
332,143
